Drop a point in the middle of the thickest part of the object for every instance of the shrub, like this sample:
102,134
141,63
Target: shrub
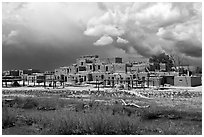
97,122
97,119
30,103
8,118
47,104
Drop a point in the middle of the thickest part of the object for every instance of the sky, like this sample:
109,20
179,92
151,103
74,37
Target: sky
46,36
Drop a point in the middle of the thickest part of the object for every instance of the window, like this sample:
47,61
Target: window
90,67
81,68
106,68
89,61
99,67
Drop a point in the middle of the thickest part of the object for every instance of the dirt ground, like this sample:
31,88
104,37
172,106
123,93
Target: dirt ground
186,99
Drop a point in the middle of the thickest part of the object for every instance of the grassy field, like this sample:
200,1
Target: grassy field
100,114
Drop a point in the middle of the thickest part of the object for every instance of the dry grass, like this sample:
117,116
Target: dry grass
8,118
55,116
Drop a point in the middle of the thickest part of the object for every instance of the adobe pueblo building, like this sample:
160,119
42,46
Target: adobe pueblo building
113,72
108,72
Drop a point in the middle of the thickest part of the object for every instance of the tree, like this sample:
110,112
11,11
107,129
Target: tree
162,58
198,70
178,60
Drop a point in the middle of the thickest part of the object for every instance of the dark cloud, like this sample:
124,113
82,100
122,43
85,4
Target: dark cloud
189,48
46,39
46,57
47,52
152,28
101,6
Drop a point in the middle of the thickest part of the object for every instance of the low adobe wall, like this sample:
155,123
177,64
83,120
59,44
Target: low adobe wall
187,81
196,81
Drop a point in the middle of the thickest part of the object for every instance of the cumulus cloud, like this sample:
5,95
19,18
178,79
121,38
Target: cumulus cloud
13,33
56,23
104,40
104,29
135,28
106,24
10,38
35,34
182,31
151,28
120,40
186,36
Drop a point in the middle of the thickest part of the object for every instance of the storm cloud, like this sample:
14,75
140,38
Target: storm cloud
152,28
49,35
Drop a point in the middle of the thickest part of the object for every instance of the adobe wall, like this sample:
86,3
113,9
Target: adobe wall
183,81
196,81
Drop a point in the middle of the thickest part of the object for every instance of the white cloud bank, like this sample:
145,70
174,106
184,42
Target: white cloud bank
120,40
151,28
104,40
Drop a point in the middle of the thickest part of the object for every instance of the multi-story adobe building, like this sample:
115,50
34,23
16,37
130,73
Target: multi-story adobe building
110,71
91,68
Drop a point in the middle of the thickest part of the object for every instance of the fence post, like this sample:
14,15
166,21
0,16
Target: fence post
53,83
34,81
97,84
148,80
23,81
45,81
132,83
